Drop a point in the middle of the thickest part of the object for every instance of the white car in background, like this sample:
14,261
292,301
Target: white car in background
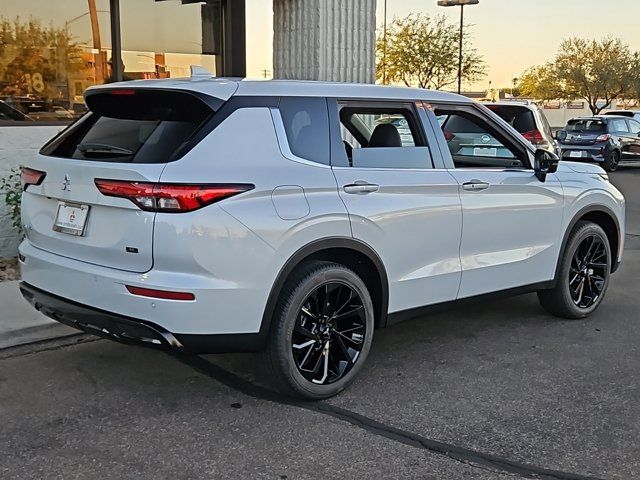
635,114
211,215
529,120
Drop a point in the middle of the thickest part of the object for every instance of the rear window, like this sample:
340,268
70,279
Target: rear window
586,125
132,126
621,113
522,119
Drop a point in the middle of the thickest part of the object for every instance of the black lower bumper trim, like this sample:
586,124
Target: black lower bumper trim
133,331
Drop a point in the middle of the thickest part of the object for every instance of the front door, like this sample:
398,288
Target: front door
405,209
512,221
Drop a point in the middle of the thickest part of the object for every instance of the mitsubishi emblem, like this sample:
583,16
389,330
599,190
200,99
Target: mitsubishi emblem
66,185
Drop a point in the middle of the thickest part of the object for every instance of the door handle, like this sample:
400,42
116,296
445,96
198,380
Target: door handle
361,188
475,185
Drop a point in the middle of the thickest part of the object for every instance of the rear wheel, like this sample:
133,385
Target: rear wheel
611,162
322,331
583,276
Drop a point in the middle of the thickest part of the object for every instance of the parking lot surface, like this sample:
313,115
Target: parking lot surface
490,390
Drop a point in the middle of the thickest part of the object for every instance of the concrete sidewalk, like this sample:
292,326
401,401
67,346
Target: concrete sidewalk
20,323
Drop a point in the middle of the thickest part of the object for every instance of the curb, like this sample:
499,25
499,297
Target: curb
20,323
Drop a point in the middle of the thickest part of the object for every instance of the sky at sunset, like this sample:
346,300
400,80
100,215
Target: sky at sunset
511,34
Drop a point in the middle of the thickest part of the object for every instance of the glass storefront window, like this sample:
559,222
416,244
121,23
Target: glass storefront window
50,53
162,38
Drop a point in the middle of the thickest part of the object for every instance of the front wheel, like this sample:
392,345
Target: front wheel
321,332
583,275
611,162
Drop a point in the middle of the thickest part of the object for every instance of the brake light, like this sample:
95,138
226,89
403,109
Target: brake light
603,138
449,136
29,176
164,294
534,136
168,197
122,92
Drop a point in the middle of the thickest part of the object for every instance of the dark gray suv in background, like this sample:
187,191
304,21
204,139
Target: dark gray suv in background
604,139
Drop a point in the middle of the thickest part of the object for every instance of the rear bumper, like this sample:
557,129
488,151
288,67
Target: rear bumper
133,331
220,307
590,153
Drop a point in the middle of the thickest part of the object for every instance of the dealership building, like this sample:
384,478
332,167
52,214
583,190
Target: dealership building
51,51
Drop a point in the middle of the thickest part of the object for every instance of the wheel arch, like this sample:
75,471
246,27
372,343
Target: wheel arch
350,252
604,217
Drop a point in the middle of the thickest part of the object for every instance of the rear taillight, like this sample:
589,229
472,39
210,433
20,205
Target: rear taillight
534,136
29,176
603,138
168,197
449,136
164,294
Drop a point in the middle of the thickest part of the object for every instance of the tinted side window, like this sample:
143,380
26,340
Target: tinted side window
306,122
619,125
634,126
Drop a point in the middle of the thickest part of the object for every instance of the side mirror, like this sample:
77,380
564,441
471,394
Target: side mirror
560,135
544,162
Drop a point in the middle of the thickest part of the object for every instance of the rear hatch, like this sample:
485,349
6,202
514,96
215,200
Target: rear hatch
128,135
582,132
523,120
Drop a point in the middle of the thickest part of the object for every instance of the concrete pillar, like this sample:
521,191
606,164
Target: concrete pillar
332,40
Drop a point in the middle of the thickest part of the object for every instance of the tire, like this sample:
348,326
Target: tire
586,261
304,351
612,161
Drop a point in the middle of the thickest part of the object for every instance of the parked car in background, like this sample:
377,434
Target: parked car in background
7,112
635,114
604,139
528,119
219,215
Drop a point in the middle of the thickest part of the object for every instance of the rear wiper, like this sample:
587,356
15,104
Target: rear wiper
101,148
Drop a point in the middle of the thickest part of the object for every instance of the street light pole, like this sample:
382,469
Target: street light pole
460,53
461,4
384,46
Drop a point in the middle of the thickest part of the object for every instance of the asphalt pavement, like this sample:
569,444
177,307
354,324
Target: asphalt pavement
492,390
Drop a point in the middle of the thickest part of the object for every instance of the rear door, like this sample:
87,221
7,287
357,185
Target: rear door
634,129
400,200
128,135
620,128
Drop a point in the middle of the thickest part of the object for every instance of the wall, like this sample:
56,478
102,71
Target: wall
324,40
17,146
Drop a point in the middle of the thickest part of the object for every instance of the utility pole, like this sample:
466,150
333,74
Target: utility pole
97,44
461,4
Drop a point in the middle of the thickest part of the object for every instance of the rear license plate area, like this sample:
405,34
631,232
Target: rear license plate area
71,218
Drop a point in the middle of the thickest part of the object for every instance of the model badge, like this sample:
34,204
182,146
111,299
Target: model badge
66,185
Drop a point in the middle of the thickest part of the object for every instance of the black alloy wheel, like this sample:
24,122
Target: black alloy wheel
583,273
321,331
588,271
329,333
612,161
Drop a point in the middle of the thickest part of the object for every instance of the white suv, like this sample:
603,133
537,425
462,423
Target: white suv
211,215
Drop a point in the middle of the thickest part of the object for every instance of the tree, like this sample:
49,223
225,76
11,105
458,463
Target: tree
596,71
30,50
423,51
